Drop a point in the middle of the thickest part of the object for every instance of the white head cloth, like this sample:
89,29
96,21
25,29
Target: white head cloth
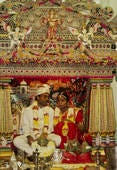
45,88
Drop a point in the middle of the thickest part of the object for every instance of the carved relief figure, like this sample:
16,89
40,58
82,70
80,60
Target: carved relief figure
53,21
16,36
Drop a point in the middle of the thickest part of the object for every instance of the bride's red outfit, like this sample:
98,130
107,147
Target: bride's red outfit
69,124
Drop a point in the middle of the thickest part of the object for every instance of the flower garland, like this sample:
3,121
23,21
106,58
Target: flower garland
36,120
69,115
44,151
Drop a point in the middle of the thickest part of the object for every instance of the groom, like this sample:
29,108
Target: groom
37,119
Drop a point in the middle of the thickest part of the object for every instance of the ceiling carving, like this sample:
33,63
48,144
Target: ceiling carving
63,34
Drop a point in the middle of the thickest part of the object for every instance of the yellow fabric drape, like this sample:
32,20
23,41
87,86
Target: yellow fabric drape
110,110
102,113
6,122
94,110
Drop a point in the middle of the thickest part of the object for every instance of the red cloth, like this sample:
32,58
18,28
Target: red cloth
74,131
71,132
79,119
84,158
88,138
69,157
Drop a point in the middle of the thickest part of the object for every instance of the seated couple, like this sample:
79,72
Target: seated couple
58,125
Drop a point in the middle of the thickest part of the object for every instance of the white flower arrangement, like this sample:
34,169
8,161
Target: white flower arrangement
44,151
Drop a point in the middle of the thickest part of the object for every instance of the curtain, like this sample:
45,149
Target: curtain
6,123
102,113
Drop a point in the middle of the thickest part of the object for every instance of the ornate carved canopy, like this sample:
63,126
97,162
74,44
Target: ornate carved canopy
76,38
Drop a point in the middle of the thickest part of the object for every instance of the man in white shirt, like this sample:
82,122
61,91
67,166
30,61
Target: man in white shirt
37,119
